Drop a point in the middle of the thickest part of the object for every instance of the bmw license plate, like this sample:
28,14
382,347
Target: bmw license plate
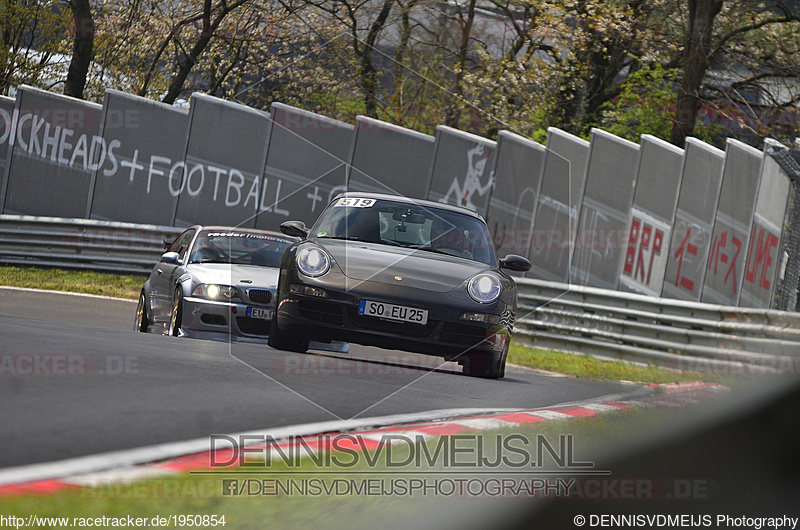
393,312
257,312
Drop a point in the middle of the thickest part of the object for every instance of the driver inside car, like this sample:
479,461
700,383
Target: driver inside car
205,251
449,238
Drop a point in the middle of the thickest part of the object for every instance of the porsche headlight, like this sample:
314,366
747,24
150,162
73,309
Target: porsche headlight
313,262
214,291
485,288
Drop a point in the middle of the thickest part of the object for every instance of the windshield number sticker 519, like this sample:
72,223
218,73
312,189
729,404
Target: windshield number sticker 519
355,202
393,312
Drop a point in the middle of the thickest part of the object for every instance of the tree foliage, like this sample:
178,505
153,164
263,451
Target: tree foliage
639,108
32,45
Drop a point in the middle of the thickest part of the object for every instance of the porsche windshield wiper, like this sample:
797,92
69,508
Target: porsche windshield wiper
451,254
435,250
350,238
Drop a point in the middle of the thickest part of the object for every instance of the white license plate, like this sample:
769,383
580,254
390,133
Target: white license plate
257,312
393,312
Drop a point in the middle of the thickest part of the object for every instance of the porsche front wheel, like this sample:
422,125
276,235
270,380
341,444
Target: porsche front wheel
283,341
488,365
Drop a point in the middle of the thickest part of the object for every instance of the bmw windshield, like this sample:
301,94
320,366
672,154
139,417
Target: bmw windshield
406,225
240,248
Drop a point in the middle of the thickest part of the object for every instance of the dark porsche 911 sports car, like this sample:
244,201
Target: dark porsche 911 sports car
392,272
214,282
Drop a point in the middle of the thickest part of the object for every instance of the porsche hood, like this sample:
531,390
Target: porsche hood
419,269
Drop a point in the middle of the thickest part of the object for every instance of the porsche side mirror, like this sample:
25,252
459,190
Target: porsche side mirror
294,229
171,257
516,263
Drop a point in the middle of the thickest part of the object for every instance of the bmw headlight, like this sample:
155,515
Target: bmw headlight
485,288
214,291
313,262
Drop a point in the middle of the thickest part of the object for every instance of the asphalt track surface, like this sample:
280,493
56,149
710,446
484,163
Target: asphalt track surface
75,380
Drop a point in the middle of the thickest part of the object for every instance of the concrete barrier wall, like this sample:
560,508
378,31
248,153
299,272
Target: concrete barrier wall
225,156
649,227
694,221
763,263
305,165
556,219
7,123
518,165
737,201
693,224
389,159
55,149
607,201
461,169
147,144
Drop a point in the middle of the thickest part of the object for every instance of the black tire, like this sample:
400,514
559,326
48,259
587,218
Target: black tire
486,365
502,360
282,341
176,317
142,320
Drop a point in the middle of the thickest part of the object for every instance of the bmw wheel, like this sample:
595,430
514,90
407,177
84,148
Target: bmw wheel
142,321
177,313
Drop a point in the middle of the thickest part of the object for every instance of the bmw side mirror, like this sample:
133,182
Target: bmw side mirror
515,263
171,257
294,229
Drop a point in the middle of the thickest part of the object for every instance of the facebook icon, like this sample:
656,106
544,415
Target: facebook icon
229,487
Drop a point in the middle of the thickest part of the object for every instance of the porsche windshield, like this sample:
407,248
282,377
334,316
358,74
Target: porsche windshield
241,248
406,225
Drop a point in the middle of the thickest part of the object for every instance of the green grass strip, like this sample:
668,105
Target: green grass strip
586,366
87,282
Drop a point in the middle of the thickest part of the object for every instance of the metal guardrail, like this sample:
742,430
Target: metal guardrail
670,333
612,324
82,243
